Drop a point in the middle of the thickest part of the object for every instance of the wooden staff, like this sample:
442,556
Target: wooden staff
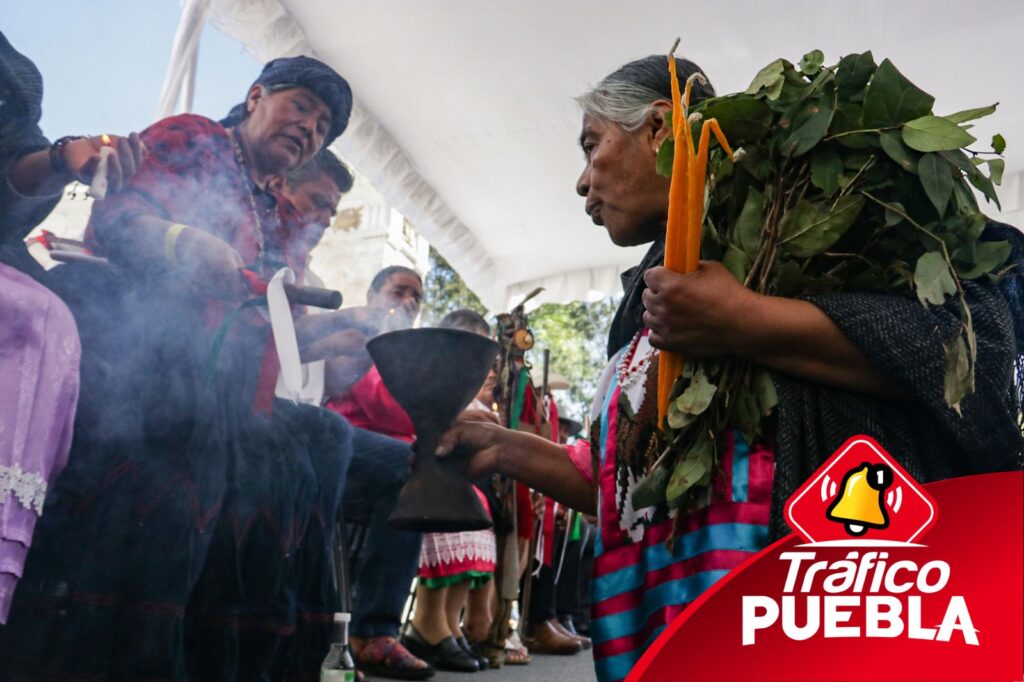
528,587
314,297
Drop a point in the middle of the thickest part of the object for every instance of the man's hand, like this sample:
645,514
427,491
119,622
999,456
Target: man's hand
700,314
486,416
211,263
474,446
346,343
82,157
708,313
362,319
343,371
480,449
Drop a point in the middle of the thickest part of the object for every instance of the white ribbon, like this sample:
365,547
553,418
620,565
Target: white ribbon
296,382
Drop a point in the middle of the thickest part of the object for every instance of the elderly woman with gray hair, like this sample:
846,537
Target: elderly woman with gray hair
838,373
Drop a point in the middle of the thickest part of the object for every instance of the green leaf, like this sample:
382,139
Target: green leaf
816,116
743,119
998,143
826,167
811,62
988,257
897,151
995,170
891,99
934,134
746,414
958,381
937,180
984,185
756,162
932,280
770,78
853,73
892,213
693,401
737,262
750,222
666,155
971,114
809,228
965,199
764,391
692,468
786,278
968,227
650,491
974,176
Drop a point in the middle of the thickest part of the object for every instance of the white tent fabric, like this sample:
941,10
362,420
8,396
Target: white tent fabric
180,81
465,121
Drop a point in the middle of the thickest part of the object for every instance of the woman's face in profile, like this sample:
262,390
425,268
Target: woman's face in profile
622,188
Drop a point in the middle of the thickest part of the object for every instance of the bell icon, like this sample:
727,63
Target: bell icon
861,504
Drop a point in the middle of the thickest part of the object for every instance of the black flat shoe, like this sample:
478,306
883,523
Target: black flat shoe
445,655
474,651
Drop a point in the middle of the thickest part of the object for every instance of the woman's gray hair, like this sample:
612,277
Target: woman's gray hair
627,95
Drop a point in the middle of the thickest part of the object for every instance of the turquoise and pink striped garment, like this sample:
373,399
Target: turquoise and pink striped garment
638,585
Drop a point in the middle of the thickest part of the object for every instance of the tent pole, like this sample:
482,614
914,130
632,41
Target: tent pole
179,81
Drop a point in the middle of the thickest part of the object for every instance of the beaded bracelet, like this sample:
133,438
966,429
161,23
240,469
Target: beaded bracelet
56,152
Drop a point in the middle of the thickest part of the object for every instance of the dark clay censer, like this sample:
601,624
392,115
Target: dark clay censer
434,374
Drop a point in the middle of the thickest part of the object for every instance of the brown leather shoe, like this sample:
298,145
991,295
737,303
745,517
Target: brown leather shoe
584,641
546,639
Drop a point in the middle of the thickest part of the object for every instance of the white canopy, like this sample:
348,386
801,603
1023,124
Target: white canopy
465,121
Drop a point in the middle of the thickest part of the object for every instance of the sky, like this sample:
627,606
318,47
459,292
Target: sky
103,62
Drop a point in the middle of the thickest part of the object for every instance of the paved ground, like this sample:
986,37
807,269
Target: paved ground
578,668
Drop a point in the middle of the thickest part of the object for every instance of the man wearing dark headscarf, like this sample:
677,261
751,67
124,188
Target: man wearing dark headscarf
183,464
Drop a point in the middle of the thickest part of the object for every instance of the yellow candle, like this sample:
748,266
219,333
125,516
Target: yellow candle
685,212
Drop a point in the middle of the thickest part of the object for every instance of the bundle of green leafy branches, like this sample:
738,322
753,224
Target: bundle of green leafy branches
847,182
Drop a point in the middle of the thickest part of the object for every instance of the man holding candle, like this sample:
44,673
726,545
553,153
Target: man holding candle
829,387
181,458
39,344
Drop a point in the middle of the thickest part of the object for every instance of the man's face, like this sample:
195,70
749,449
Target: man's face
401,292
317,201
286,128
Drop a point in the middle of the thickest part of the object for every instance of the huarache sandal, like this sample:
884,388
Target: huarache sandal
518,656
386,657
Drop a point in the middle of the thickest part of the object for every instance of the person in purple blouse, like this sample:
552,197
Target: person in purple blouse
39,345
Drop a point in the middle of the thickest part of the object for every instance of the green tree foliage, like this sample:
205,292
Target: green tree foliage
444,291
576,333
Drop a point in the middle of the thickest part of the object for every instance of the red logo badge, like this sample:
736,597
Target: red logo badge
861,496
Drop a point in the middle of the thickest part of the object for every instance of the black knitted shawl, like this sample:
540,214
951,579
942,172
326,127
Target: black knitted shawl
904,340
21,94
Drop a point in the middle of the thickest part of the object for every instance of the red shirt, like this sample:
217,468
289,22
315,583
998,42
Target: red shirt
191,176
370,406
